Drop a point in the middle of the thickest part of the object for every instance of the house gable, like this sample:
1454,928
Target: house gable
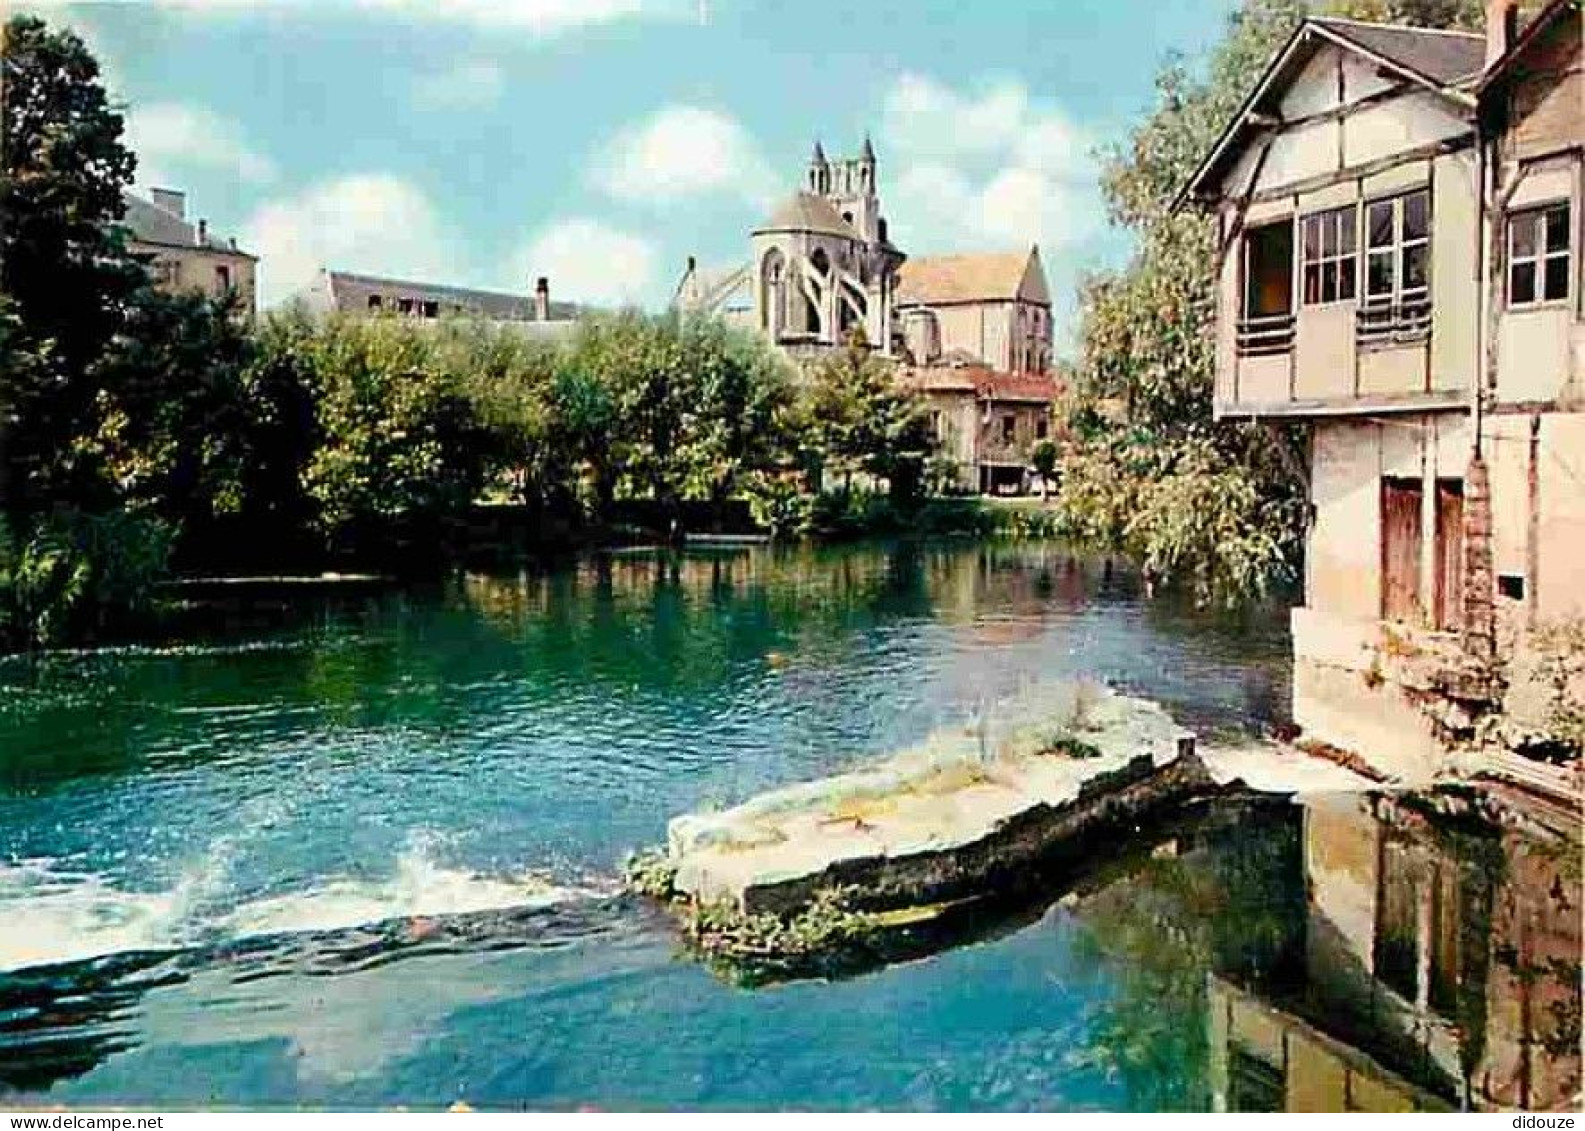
1333,99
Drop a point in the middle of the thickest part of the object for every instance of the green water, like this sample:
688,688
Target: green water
363,852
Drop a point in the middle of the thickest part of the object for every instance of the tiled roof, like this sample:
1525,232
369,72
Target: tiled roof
147,222
352,291
806,212
1443,56
962,278
983,382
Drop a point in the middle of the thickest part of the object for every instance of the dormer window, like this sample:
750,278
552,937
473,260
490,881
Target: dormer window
1538,255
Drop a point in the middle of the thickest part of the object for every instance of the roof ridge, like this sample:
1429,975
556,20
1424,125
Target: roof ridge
1348,22
421,284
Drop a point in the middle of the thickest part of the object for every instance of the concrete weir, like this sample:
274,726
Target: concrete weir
959,816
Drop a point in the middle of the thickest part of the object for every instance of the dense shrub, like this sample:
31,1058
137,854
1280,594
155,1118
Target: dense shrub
76,575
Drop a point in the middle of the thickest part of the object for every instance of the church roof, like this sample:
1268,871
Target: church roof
996,276
806,212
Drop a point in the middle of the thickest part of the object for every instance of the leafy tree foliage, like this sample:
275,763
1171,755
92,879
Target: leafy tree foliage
63,266
861,422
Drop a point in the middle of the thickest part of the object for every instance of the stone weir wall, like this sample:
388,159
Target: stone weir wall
958,817
999,862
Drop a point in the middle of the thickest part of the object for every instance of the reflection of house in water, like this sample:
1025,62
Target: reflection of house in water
1442,966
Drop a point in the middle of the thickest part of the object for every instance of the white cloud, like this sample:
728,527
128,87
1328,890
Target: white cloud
371,222
681,152
590,261
172,138
991,168
470,84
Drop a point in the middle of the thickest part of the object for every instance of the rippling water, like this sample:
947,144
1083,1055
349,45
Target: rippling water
368,855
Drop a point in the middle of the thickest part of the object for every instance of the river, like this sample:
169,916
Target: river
363,852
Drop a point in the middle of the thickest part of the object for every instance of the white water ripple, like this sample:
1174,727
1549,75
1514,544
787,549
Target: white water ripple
51,915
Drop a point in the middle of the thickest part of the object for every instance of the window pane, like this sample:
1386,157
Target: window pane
1346,226
1312,283
1379,281
1523,235
1416,215
1416,261
1557,229
1556,284
1328,235
1312,238
1345,279
1329,282
1521,287
1380,224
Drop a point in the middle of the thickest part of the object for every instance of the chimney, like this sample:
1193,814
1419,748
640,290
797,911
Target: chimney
693,265
1502,28
203,232
542,300
171,200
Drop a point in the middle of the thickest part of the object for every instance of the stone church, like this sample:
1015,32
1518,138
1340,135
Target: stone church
824,267
971,334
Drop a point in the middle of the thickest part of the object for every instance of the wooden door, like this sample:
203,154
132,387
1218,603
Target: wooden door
1449,554
1400,549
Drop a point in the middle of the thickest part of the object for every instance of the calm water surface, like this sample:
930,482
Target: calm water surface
369,858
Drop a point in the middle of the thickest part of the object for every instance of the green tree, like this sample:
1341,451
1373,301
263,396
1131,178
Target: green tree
173,423
860,421
63,264
398,437
1044,459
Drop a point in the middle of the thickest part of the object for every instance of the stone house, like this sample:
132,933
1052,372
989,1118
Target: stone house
184,256
1399,212
367,296
986,422
989,309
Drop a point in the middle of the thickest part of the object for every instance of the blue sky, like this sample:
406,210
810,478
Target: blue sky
601,142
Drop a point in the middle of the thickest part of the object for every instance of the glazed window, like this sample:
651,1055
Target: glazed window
1538,255
1397,301
1009,429
1331,260
1398,249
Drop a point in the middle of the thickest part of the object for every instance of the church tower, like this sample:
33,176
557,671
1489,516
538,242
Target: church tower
851,187
823,268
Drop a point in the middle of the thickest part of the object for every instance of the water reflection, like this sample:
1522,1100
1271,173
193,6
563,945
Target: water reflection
1441,947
